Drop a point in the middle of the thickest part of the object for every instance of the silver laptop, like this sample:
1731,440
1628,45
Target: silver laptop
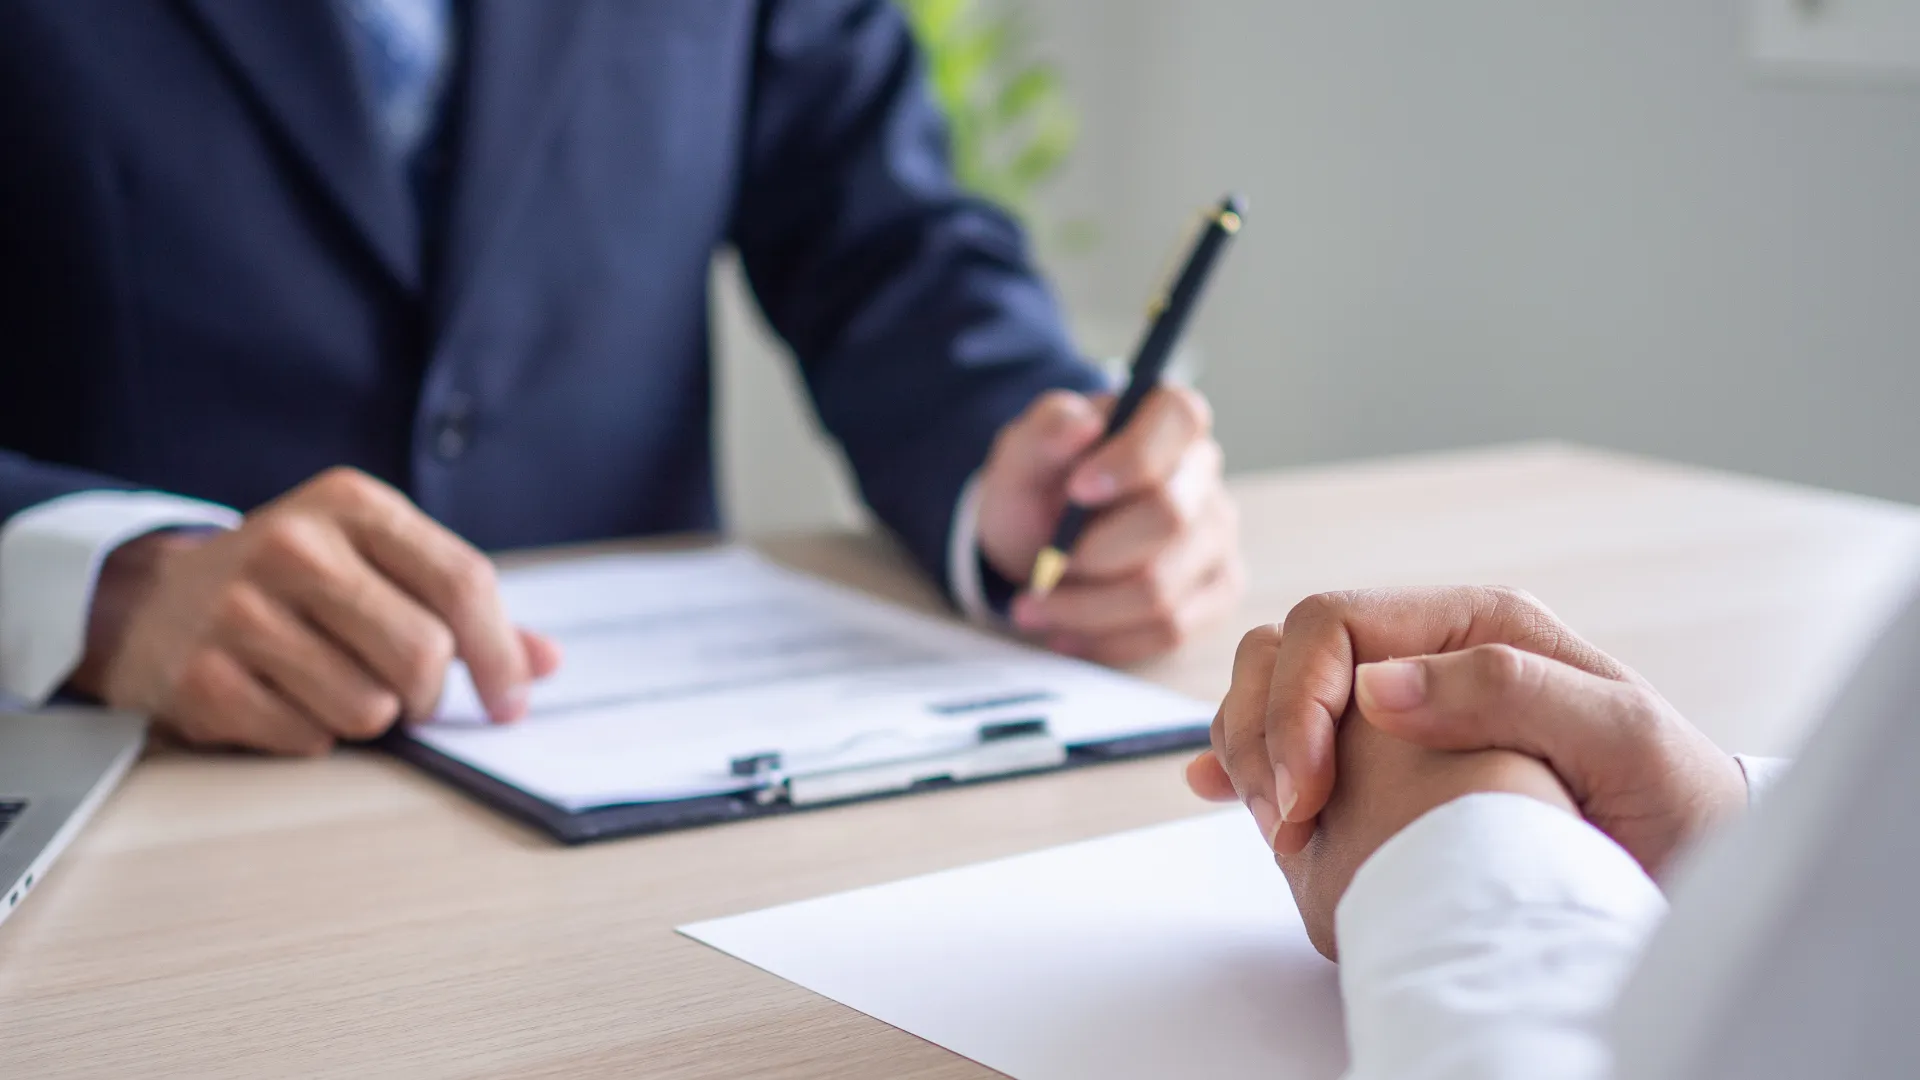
56,768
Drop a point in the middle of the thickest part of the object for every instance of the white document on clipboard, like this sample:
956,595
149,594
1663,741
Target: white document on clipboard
680,665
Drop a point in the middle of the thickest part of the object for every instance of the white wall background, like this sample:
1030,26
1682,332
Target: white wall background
1473,221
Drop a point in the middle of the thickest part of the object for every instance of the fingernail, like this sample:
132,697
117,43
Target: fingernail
1395,685
1283,792
1264,816
1095,487
1027,613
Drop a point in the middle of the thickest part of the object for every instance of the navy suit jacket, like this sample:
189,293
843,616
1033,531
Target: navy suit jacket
213,281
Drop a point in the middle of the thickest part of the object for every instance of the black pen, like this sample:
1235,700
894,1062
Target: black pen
1169,315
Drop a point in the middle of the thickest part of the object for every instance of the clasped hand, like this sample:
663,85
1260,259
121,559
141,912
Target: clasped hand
1366,709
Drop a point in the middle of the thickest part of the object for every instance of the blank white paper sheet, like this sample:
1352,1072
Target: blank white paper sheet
1173,951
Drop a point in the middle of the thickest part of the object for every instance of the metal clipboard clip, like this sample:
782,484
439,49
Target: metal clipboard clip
1000,749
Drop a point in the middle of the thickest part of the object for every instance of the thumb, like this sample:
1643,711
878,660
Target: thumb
1499,697
1053,433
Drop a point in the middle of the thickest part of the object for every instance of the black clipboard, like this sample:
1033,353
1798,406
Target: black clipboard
640,819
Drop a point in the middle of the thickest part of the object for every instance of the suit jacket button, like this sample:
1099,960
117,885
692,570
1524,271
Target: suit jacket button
453,428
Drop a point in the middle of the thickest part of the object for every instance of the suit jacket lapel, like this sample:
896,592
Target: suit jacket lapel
295,58
523,62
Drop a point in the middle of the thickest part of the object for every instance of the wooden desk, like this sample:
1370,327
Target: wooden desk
231,916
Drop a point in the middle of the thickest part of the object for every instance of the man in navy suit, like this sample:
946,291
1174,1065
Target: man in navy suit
305,303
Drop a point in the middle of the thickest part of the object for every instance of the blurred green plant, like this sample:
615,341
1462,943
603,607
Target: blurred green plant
1011,123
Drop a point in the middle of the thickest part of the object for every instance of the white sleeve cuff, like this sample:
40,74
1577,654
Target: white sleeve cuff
1761,773
963,556
1489,939
50,557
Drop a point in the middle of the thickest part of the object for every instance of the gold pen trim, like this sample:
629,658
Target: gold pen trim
1048,568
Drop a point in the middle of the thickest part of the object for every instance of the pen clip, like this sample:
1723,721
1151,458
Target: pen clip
1169,274
1226,215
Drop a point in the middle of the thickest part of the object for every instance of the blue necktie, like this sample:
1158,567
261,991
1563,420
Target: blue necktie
405,49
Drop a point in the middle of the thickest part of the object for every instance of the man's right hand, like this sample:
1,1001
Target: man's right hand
330,613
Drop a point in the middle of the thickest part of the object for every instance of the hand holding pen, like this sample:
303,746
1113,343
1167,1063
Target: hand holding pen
1130,494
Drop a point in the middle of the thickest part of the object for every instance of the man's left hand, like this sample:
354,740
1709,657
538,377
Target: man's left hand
1161,555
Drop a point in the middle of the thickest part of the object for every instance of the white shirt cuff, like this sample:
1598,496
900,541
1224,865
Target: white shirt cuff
1489,940
963,556
50,557
1761,773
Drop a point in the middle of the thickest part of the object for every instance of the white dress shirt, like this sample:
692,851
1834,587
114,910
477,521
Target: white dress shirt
1497,937
50,558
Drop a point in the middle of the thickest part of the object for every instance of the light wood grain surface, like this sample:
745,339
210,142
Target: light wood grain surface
235,916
